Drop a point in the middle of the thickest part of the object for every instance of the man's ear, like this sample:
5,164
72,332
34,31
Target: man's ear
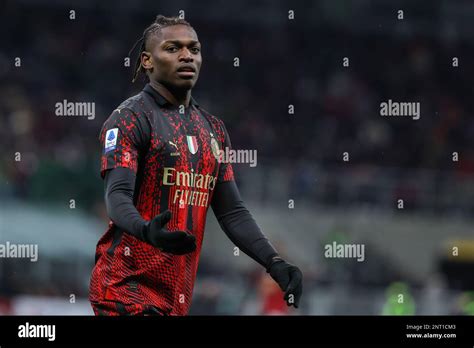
146,60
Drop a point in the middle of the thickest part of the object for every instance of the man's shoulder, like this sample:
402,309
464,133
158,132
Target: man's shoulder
135,104
131,111
211,117
134,109
217,124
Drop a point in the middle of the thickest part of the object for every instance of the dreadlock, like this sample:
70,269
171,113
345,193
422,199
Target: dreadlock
159,23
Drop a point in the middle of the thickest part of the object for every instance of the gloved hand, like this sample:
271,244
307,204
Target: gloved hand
176,242
290,279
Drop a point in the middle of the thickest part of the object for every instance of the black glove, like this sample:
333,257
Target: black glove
290,279
177,242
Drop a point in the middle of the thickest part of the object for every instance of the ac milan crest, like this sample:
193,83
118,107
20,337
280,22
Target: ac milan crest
192,143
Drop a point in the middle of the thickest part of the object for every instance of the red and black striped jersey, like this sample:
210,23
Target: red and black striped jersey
174,153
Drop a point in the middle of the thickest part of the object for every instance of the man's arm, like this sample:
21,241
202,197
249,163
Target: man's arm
119,188
239,225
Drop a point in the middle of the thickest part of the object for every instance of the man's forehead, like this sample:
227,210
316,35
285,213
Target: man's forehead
178,33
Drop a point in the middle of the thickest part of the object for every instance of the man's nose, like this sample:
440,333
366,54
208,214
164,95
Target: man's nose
186,56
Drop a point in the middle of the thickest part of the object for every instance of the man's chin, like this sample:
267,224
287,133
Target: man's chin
185,84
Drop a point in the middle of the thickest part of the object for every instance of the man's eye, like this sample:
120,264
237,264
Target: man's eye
195,49
172,49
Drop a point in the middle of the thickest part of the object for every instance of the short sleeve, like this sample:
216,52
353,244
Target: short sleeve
123,137
226,172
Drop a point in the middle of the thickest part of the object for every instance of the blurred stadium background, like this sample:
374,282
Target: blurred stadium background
299,62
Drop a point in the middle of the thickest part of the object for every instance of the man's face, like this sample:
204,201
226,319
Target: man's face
174,59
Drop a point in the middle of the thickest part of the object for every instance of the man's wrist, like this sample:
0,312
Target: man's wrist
272,260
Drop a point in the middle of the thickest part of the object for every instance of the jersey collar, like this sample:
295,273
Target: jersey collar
162,101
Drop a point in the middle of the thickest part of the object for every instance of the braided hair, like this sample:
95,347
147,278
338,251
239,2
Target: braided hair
159,23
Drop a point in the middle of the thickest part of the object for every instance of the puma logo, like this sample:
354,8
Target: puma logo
175,146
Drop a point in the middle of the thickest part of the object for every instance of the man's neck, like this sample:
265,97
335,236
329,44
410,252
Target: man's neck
174,97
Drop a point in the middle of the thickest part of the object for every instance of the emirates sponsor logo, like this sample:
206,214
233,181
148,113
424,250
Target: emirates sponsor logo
173,177
189,181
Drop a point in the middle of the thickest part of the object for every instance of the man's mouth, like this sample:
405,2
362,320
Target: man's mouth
186,71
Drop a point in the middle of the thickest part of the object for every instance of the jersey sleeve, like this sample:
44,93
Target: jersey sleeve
123,138
226,172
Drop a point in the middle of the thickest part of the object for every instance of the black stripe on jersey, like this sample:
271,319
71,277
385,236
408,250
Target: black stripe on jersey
121,309
190,218
116,239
